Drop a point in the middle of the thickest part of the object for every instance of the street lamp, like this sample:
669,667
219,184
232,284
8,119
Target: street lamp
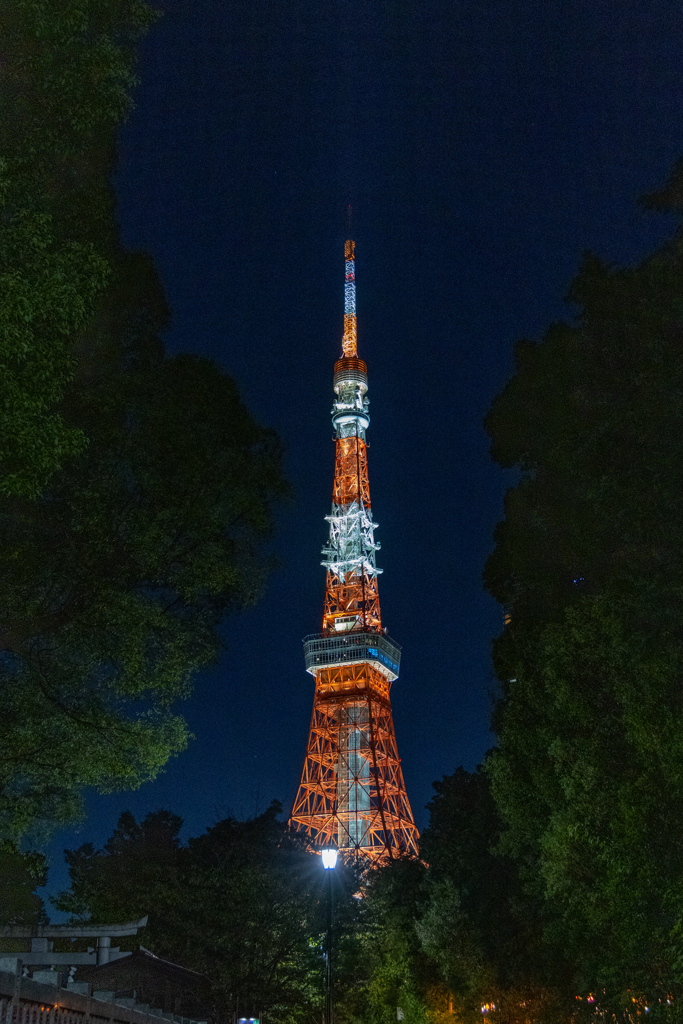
329,859
329,856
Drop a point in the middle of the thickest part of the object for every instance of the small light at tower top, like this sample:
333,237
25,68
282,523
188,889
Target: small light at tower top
349,339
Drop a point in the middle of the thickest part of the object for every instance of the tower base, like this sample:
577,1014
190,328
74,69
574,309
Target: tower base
352,794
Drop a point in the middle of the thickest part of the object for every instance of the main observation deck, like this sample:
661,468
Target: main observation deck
324,650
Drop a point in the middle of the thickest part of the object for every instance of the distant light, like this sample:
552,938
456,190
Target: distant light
329,858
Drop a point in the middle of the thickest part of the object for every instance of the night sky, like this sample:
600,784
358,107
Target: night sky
483,145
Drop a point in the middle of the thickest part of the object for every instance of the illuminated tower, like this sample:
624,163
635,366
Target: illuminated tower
352,794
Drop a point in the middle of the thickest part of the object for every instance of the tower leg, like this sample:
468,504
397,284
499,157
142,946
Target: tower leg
352,792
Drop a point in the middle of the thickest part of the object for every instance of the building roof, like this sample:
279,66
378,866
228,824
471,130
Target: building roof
142,961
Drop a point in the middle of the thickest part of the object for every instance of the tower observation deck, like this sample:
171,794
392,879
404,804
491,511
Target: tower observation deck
352,794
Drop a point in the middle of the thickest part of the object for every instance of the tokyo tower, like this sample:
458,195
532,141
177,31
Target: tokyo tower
352,794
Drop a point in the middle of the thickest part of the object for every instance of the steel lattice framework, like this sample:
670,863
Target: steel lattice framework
352,794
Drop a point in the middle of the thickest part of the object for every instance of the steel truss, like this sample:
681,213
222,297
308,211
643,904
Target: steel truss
352,794
353,591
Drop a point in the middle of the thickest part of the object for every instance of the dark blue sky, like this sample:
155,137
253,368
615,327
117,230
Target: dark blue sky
483,145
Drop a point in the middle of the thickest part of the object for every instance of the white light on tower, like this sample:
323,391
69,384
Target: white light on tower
329,859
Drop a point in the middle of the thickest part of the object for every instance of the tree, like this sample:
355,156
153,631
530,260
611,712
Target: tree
588,773
20,875
130,876
440,941
480,923
243,903
258,931
65,85
115,583
136,491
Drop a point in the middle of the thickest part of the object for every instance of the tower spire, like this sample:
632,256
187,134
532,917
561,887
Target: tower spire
352,794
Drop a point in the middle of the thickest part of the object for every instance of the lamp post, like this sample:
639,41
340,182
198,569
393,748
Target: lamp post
329,856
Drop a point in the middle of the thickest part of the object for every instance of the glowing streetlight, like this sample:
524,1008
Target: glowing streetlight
329,858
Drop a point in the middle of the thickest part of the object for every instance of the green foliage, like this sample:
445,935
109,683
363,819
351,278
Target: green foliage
480,924
258,931
135,490
78,57
243,903
65,83
135,870
381,965
440,941
589,560
48,294
20,875
115,583
400,976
